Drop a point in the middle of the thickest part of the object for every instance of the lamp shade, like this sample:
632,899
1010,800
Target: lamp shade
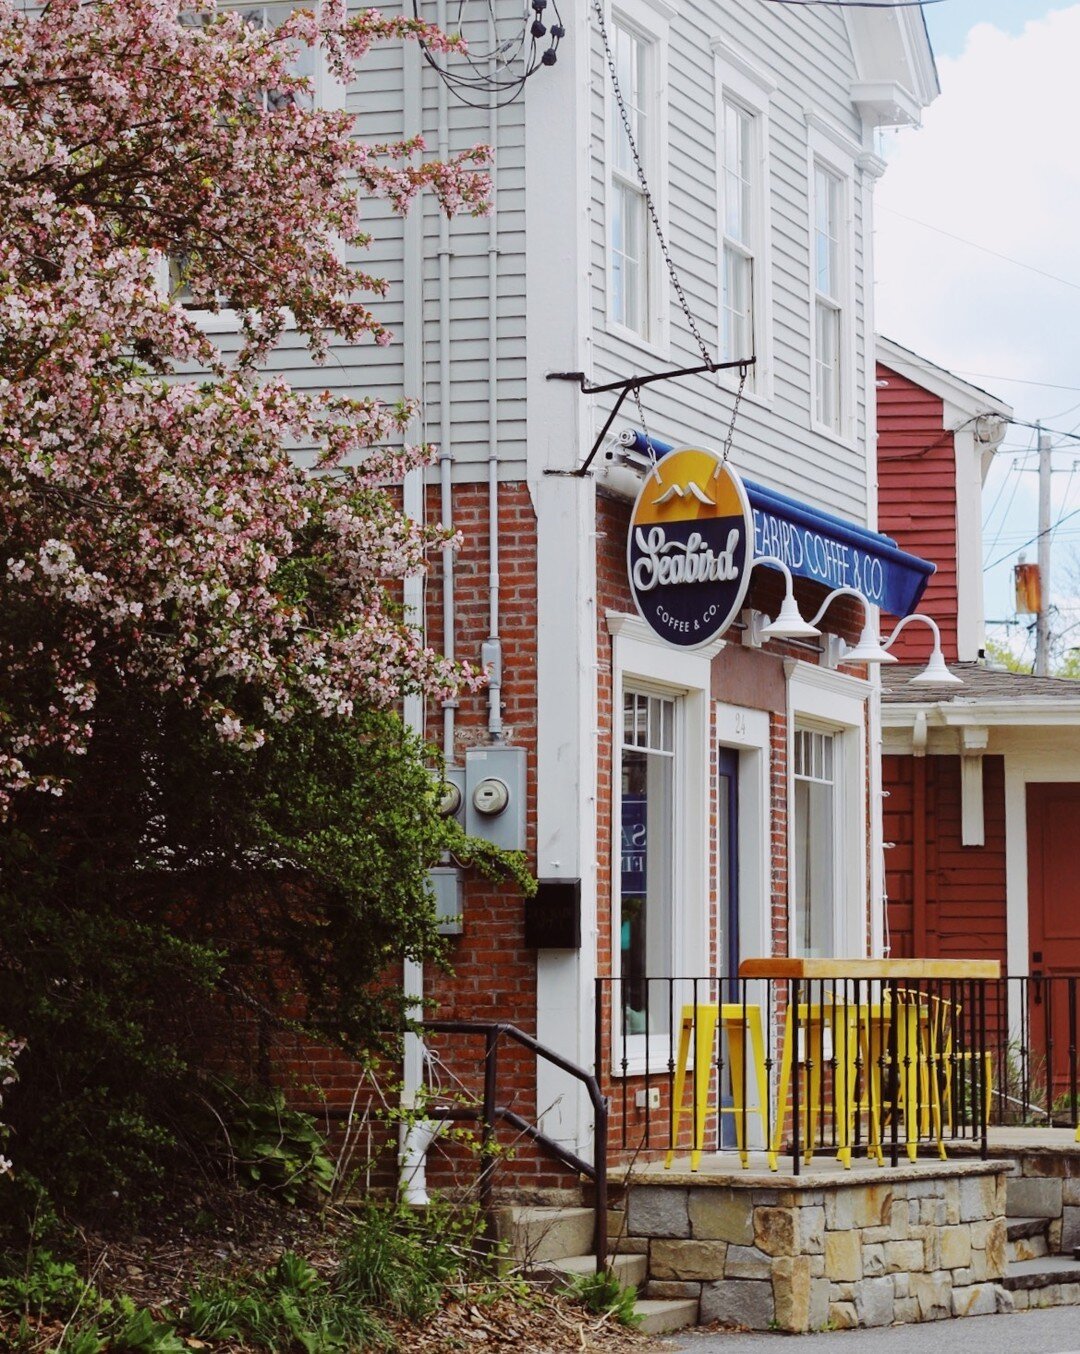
936,673
868,649
789,624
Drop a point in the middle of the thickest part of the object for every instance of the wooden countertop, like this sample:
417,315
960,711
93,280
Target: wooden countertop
870,968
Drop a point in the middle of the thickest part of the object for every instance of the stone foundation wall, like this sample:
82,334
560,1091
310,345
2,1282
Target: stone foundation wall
821,1251
1047,1185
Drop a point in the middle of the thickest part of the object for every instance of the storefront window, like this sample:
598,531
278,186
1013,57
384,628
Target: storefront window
647,891
815,844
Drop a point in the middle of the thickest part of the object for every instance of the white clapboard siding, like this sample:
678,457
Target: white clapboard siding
808,56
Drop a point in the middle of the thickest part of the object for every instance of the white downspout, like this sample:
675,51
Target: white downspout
491,657
415,1138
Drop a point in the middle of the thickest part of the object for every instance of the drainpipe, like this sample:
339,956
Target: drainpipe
416,1138
491,651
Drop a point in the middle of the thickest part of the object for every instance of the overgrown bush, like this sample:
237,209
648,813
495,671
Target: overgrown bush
9,1050
194,899
388,1264
272,1146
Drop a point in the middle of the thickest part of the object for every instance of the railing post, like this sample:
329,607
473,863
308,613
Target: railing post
793,1013
600,1147
894,1072
487,1133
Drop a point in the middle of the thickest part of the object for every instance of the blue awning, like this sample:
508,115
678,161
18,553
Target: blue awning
824,548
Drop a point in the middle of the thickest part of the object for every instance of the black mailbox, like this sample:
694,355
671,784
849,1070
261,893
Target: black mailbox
553,915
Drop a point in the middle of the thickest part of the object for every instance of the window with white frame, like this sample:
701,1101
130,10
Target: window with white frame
630,241
827,813
743,94
741,196
815,827
829,266
647,770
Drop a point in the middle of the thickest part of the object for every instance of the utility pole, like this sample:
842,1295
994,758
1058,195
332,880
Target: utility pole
1042,624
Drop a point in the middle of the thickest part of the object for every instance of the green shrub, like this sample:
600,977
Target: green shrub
602,1292
288,1305
274,1147
402,1262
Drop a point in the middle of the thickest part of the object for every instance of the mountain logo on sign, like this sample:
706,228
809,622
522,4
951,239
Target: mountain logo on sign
691,491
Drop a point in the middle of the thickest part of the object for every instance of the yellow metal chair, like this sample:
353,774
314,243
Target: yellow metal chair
700,1021
847,1027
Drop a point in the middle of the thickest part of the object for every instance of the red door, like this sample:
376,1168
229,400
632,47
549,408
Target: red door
1053,830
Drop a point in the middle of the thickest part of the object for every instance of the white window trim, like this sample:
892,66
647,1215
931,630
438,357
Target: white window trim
738,80
833,702
330,94
641,661
650,20
828,147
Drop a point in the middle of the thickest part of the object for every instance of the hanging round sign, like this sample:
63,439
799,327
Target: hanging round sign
690,547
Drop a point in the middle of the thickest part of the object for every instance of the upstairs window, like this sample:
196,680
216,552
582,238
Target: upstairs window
829,266
741,197
630,237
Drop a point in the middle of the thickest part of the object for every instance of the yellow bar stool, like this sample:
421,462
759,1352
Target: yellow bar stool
845,1024
700,1022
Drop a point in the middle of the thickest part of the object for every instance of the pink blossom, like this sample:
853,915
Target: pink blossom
152,523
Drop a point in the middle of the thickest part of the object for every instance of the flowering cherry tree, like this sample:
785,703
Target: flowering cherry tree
155,532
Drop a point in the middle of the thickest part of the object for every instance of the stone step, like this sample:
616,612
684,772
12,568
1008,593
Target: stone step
1027,1248
660,1315
1027,1239
533,1233
1047,1270
628,1269
1020,1229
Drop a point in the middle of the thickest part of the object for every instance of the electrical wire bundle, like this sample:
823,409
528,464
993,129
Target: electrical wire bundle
503,68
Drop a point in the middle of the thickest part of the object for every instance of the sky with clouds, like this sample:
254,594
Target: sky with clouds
978,254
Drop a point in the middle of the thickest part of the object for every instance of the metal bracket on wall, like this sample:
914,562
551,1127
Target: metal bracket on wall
631,385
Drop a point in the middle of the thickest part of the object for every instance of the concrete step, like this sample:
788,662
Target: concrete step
628,1269
534,1233
1041,1273
660,1315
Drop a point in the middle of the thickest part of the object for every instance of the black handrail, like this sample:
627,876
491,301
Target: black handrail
492,1113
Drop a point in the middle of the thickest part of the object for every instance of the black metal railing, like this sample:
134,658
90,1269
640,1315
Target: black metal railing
490,1113
878,1067
1034,1051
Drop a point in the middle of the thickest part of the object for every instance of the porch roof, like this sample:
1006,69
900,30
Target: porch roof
989,696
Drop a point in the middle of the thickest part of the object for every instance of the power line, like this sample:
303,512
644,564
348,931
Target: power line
1037,537
1008,508
960,239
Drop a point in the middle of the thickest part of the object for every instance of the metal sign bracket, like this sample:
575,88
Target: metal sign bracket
631,386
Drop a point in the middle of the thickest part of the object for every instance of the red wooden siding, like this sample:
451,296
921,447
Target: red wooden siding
959,909
917,498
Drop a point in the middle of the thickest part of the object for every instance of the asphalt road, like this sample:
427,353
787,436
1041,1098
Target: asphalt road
1055,1330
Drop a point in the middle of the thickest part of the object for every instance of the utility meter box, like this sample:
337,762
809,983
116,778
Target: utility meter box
495,796
446,885
452,803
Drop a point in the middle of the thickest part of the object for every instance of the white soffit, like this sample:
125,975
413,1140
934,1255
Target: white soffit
896,77
990,714
971,399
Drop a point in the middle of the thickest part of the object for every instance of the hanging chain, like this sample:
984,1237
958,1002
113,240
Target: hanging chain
636,392
734,415
706,357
